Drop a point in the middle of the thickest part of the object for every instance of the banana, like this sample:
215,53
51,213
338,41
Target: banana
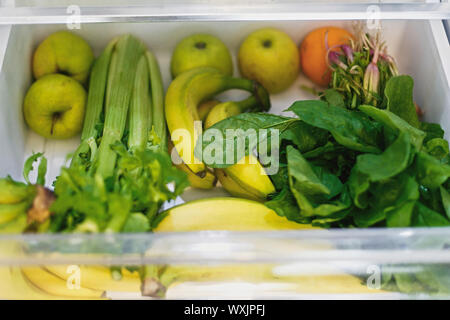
250,177
201,273
222,111
9,212
336,282
228,109
205,107
224,214
233,187
99,278
247,179
18,225
207,182
14,286
184,95
53,285
14,192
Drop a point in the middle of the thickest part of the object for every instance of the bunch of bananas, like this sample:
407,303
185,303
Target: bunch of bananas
55,282
185,104
15,200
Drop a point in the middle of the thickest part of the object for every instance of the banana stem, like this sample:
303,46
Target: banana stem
151,285
248,104
257,90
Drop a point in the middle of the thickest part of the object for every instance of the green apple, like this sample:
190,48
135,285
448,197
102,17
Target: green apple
201,50
54,106
270,57
63,52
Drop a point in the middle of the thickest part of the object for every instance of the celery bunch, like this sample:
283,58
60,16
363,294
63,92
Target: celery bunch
121,173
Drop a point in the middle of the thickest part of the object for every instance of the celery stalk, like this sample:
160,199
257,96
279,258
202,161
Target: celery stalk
96,97
157,93
129,50
140,110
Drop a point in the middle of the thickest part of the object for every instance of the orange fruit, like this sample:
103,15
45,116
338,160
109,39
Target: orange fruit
313,51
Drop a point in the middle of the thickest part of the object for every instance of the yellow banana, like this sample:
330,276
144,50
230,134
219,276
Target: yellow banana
224,214
250,177
18,225
14,286
14,192
233,187
205,107
54,285
9,212
184,95
336,282
202,273
99,278
208,181
222,111
247,179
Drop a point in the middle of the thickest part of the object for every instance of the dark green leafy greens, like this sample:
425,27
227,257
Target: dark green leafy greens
368,167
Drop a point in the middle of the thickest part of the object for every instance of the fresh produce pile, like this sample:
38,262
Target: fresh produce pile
358,156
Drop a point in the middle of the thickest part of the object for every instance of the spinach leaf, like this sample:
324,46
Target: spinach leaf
399,95
326,149
445,196
281,178
432,130
396,123
240,129
399,214
391,200
437,147
425,217
391,162
284,205
430,172
314,188
435,277
372,168
292,131
304,136
408,283
350,129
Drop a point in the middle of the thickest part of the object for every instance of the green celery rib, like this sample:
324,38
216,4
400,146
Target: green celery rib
157,94
129,50
109,82
96,97
140,109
